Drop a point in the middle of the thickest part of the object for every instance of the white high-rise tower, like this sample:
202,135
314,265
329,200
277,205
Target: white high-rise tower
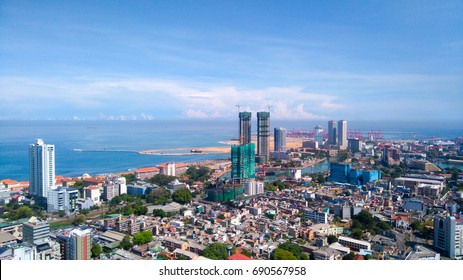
41,168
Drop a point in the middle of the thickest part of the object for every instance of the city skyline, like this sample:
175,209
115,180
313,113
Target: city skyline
176,60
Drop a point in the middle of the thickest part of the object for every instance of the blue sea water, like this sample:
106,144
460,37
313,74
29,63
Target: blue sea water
15,137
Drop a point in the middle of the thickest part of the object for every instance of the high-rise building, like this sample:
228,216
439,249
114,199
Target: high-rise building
342,134
279,139
62,199
263,134
253,187
76,244
245,128
41,170
448,236
319,135
243,162
35,230
332,133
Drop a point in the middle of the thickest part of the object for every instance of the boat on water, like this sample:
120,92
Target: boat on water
196,151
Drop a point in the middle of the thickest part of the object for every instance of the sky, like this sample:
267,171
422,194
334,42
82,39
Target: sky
177,59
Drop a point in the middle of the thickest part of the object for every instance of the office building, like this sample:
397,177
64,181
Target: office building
354,145
41,170
35,230
263,134
448,236
76,244
342,134
279,139
243,162
253,187
332,133
245,128
62,199
318,136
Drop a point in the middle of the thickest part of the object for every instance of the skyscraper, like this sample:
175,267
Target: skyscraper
342,134
243,162
263,133
448,236
76,244
41,170
279,139
319,135
332,133
245,128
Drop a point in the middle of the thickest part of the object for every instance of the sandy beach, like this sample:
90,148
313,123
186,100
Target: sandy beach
225,148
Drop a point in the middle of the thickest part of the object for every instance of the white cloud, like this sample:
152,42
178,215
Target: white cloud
195,114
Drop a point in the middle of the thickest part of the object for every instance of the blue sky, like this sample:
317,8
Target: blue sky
354,60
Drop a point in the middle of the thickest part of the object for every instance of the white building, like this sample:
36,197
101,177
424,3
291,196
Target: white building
354,243
342,134
41,169
318,135
253,187
62,199
93,193
170,169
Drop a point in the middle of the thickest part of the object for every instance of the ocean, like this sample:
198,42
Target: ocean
67,136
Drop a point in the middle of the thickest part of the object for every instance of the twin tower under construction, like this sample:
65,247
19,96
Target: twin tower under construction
243,155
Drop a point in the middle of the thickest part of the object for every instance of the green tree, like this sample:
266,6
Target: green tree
332,239
281,254
140,210
115,201
125,244
416,225
182,196
96,250
201,174
356,233
295,249
349,256
129,178
158,196
159,213
246,253
217,251
269,188
143,237
383,225
80,219
161,179
23,212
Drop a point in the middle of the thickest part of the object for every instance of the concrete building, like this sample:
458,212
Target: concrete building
62,199
75,244
318,136
243,162
354,243
354,145
279,143
245,128
41,170
253,187
342,134
448,236
263,135
319,217
332,137
35,230
93,193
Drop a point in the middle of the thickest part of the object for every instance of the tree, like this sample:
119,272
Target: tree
349,256
96,250
332,239
383,225
24,212
217,251
161,179
125,244
143,237
269,188
115,201
158,196
201,174
159,213
182,196
80,219
246,253
140,210
129,178
294,249
281,254
356,233
416,225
